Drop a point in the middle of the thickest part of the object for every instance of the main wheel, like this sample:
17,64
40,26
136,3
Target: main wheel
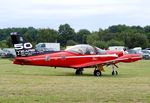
97,73
79,72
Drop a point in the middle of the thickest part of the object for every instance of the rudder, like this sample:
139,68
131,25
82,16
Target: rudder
22,47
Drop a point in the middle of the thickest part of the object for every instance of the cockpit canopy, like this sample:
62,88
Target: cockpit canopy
85,49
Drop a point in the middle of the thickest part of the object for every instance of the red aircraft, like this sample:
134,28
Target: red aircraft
77,57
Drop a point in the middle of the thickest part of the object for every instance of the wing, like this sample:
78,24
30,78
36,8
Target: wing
125,58
93,63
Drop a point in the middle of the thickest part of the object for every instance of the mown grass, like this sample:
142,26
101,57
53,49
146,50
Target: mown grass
31,84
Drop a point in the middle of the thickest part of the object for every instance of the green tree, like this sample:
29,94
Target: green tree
28,37
115,43
137,40
81,36
100,44
47,35
65,33
9,42
93,37
3,44
147,29
71,43
33,33
137,29
108,36
118,28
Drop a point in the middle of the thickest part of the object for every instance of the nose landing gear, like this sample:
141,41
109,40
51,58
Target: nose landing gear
114,71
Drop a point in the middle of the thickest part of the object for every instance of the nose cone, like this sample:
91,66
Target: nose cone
139,56
131,57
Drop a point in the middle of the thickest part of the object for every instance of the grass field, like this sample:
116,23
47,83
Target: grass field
30,84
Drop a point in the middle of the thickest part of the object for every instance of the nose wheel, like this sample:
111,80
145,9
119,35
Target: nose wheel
114,71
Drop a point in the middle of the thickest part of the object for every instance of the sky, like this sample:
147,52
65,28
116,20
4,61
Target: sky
79,14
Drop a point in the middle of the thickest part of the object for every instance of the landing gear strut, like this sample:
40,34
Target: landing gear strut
98,69
114,71
79,71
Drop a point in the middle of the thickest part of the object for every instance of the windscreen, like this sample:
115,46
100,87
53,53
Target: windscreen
82,49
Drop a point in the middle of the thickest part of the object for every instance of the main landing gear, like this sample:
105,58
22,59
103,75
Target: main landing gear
97,73
79,71
98,70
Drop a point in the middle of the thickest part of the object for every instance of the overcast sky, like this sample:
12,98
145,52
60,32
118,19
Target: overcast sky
80,14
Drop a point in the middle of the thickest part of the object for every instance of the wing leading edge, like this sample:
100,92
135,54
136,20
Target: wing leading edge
125,58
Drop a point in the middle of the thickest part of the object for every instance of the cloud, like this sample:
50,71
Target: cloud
89,13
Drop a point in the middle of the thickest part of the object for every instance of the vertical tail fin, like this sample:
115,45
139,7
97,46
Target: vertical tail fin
22,47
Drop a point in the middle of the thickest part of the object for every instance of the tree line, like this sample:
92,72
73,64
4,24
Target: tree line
121,35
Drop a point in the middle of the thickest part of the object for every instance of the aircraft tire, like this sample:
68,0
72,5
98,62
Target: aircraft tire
78,72
97,73
114,73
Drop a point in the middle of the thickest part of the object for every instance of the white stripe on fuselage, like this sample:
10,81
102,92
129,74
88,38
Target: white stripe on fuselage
113,55
65,57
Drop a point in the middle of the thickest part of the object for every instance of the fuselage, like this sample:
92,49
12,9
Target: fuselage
63,59
79,56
